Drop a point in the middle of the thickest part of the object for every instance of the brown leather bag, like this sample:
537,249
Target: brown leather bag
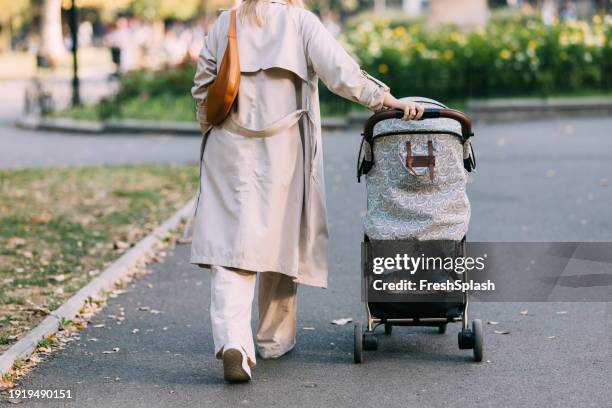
223,91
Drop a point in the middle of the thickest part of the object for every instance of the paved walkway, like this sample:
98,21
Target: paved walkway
537,181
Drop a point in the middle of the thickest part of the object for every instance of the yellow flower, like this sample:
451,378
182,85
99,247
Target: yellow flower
505,54
383,68
533,44
399,31
449,55
420,47
597,19
456,37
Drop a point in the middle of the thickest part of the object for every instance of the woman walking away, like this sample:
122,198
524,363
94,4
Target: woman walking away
261,206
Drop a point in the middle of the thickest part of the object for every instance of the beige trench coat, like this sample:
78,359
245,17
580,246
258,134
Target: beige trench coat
253,212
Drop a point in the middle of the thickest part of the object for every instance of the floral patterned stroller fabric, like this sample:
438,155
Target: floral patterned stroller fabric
424,202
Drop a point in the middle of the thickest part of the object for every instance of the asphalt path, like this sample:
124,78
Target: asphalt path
538,181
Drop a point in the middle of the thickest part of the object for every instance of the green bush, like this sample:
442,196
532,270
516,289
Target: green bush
512,56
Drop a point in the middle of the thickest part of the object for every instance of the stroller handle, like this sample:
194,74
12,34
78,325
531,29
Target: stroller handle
430,113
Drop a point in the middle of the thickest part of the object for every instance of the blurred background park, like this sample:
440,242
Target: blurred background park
73,199
451,50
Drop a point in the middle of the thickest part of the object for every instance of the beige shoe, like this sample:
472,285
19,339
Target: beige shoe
235,364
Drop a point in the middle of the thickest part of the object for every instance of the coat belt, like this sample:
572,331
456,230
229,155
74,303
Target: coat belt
282,124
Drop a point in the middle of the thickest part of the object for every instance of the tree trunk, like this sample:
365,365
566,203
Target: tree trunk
412,7
380,6
52,42
5,34
465,13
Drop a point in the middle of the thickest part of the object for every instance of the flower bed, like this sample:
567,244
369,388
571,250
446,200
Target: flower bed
510,57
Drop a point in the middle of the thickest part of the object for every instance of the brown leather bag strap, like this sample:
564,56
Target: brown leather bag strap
231,33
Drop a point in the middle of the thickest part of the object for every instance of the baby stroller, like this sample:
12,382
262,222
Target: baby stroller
416,177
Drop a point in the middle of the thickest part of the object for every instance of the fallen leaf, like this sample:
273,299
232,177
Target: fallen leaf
135,331
41,218
343,321
501,331
153,311
524,312
121,245
492,323
59,278
16,242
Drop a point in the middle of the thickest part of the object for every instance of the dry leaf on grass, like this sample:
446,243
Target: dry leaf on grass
43,218
121,245
15,242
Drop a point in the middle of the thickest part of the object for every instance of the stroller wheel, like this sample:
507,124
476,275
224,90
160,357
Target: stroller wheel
358,344
442,328
388,329
478,339
370,341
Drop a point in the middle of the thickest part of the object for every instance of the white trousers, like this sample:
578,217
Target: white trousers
232,292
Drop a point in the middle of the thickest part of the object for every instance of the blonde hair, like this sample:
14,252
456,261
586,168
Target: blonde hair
250,10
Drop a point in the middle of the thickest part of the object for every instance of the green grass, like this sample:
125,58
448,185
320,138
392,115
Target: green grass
175,108
165,107
48,342
5,339
58,224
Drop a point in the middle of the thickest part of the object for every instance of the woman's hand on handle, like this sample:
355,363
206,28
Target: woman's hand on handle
412,110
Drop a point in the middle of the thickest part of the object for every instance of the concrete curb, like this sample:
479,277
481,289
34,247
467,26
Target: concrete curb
132,126
490,111
117,270
508,110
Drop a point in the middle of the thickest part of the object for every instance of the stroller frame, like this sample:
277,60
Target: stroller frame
468,337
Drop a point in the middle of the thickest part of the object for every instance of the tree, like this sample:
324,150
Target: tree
10,10
160,9
51,38
473,12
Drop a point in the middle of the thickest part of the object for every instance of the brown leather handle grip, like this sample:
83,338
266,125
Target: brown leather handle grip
430,113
